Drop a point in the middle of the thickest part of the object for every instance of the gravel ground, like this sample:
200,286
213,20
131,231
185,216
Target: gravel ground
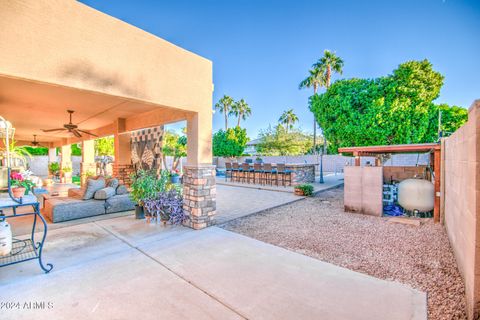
420,257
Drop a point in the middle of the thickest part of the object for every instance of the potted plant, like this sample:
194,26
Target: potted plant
258,160
54,169
175,176
145,185
167,207
304,190
67,174
21,184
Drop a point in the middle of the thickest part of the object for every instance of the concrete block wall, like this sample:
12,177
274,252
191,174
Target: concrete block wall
462,203
39,165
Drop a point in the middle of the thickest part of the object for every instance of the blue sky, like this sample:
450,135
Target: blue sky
262,49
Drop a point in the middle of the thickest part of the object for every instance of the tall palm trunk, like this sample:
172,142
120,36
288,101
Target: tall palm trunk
328,76
226,120
314,124
239,118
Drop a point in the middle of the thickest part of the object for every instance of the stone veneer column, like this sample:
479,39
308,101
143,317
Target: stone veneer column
199,195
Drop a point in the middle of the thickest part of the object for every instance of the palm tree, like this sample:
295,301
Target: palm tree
328,63
224,106
288,118
315,79
241,109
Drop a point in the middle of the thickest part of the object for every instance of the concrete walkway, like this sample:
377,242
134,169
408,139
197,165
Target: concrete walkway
235,200
123,268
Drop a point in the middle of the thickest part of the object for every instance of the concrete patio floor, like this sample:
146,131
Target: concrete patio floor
123,268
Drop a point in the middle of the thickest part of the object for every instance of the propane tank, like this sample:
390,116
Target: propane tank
416,194
5,237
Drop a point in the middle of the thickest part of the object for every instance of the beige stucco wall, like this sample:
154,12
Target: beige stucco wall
462,202
68,43
363,190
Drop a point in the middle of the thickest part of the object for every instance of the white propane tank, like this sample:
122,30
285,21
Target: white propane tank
5,237
416,194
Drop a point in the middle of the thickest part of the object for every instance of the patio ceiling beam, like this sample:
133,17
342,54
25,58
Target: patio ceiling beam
154,118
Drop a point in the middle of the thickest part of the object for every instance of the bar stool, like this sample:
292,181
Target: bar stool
236,170
228,170
269,172
284,173
247,172
258,170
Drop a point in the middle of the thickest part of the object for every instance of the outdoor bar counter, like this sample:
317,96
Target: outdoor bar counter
301,172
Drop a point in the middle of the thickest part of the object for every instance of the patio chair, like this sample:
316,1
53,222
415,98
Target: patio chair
236,171
249,161
247,173
228,170
284,173
269,173
258,171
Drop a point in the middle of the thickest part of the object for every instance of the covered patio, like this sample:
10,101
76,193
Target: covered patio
113,90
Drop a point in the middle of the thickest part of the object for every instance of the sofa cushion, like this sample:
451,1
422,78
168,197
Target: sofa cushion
104,193
92,187
76,193
119,203
122,189
59,209
113,182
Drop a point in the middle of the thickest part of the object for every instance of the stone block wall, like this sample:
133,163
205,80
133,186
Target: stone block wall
462,203
122,172
199,195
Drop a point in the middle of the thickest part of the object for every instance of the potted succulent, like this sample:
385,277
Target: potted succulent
167,207
304,190
21,184
175,176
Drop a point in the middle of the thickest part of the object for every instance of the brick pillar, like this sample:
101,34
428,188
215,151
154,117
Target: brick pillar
199,195
122,172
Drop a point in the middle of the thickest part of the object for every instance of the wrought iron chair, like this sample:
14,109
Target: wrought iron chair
284,173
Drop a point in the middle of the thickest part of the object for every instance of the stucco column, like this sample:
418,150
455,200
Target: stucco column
66,162
87,166
199,190
122,167
52,155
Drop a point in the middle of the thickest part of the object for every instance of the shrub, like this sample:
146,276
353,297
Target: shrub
306,188
167,206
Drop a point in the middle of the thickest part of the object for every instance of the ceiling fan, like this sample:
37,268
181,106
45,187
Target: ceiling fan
36,143
70,127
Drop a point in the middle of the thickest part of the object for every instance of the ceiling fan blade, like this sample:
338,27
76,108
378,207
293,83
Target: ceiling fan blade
86,132
76,133
52,130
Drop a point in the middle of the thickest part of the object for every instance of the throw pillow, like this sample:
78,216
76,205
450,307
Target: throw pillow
92,187
122,189
112,183
105,193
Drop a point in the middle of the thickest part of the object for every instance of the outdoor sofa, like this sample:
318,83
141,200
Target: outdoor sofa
99,196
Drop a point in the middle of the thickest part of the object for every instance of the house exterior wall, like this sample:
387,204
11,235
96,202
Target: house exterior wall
462,203
84,48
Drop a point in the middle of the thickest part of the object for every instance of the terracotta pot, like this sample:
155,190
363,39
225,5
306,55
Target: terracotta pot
298,192
18,192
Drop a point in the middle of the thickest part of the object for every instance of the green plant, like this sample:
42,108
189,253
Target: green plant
278,142
395,109
53,167
175,145
146,185
22,180
230,143
16,152
104,146
223,105
288,119
241,110
306,188
67,169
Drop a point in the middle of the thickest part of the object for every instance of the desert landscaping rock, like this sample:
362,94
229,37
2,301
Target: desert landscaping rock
419,256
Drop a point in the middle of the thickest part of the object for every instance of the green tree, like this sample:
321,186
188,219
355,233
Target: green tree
278,141
241,110
288,119
104,146
174,145
327,64
224,105
315,80
229,143
395,109
76,150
